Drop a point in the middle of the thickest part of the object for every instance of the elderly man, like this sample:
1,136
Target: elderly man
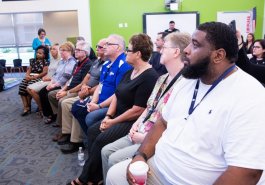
73,86
212,128
70,126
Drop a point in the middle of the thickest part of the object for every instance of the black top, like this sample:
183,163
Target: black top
257,71
92,56
79,72
255,61
170,31
155,62
136,91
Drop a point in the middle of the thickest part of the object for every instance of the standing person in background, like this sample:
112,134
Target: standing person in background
249,43
155,58
40,40
171,27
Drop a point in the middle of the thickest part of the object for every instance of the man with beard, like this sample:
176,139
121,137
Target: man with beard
212,128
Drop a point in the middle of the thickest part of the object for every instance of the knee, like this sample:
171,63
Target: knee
106,152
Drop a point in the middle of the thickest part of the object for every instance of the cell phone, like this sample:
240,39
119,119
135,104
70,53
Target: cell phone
232,25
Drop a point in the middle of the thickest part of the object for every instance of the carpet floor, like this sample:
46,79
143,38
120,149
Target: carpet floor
27,154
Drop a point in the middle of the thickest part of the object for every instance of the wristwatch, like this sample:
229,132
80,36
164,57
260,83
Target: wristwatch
141,154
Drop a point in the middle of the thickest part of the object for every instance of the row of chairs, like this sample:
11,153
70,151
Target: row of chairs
17,65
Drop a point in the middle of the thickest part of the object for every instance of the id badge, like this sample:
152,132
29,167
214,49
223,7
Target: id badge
100,88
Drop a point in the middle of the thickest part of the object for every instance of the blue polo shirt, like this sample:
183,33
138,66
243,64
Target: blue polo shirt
111,75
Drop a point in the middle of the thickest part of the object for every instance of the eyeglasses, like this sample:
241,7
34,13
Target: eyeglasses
79,50
111,44
99,47
128,50
257,47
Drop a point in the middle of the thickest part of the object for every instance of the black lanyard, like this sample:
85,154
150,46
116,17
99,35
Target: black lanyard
159,95
215,83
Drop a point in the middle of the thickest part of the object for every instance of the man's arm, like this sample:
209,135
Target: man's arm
147,148
239,176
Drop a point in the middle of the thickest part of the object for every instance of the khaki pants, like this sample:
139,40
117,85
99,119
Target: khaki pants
70,125
56,105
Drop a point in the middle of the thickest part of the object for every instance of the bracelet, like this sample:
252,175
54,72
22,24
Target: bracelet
110,116
99,106
143,155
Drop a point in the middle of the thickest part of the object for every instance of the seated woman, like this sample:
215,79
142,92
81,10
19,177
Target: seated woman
37,69
62,75
128,103
258,52
171,56
34,88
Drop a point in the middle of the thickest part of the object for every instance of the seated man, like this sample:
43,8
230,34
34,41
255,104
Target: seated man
156,55
71,129
212,128
73,86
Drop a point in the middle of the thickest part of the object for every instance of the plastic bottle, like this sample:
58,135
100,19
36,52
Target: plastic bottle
81,157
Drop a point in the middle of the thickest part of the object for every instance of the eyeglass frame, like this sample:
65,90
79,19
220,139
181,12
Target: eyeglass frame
111,44
79,50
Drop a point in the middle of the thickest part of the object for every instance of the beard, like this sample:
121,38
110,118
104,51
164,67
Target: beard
197,70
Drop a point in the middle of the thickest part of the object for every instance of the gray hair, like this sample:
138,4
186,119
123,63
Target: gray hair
120,40
84,46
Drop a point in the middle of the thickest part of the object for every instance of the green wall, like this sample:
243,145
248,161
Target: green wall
107,14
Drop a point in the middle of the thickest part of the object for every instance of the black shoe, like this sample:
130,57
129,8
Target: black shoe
25,113
64,139
55,125
71,147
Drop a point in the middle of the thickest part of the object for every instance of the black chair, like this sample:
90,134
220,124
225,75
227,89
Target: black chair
17,66
3,64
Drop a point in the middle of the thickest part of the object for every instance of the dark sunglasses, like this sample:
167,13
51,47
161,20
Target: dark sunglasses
99,47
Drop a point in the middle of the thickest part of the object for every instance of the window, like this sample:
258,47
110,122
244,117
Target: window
17,32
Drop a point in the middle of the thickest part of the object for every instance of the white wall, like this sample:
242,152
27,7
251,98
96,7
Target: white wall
81,6
63,25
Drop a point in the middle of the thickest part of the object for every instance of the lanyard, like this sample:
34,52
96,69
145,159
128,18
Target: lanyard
159,95
77,69
215,83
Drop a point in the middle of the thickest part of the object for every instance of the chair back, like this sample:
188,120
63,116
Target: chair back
17,62
3,62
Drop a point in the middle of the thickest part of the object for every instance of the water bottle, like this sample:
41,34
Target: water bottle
81,157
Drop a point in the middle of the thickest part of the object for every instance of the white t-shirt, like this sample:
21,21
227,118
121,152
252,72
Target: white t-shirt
227,128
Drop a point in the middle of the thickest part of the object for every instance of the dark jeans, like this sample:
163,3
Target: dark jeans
46,107
92,170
